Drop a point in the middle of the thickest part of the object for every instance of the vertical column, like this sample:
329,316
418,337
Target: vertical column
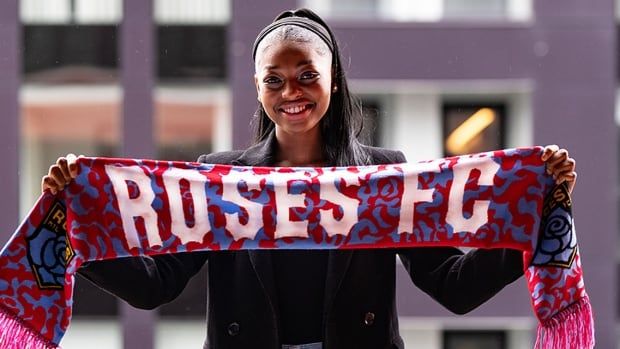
137,77
10,72
575,72
247,19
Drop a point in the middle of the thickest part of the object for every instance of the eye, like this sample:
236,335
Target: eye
272,81
308,76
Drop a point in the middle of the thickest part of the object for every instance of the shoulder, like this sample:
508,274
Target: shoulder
224,157
384,156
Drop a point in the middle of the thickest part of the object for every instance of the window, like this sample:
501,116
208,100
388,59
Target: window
460,9
192,52
70,11
474,339
192,11
61,54
472,128
371,130
423,11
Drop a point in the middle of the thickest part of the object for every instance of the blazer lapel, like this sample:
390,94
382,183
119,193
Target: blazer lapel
337,265
263,267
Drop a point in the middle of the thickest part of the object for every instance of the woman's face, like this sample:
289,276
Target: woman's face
293,81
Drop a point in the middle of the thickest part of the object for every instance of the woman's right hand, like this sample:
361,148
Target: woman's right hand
60,174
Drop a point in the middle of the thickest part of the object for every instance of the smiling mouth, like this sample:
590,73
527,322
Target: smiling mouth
297,109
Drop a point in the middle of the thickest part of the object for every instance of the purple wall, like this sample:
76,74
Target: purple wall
137,60
574,102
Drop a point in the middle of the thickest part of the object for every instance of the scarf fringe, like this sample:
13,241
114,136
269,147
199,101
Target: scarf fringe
15,334
571,328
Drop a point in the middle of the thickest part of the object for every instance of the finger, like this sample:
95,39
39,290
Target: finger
563,168
569,176
64,168
572,182
48,183
557,158
56,175
549,150
72,162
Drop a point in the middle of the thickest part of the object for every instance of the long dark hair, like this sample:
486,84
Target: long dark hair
343,120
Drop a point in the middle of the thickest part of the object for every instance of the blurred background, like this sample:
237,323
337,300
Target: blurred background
173,79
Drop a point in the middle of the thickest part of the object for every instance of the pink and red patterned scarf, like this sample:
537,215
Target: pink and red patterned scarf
120,207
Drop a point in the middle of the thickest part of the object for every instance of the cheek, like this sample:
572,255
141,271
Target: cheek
325,95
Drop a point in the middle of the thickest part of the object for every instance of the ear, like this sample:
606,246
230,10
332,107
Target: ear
257,87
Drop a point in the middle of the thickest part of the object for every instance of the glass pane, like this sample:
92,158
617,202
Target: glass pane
371,129
191,120
192,53
98,11
474,340
474,9
423,11
70,54
354,8
472,128
45,11
192,11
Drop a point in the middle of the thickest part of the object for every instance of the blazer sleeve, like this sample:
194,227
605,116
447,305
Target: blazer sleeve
145,282
460,281
149,281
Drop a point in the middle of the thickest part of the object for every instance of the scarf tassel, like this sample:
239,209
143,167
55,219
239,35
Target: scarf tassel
571,328
15,334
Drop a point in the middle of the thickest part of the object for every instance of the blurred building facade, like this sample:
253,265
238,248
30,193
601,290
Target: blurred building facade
174,79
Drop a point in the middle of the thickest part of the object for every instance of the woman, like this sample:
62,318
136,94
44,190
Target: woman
321,299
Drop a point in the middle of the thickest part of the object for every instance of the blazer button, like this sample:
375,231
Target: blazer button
369,319
233,329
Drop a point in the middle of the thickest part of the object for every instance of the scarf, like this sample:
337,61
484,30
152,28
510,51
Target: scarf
121,207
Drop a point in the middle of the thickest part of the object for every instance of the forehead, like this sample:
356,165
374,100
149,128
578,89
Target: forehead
274,51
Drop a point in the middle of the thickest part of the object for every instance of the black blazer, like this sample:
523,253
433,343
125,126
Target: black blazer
359,309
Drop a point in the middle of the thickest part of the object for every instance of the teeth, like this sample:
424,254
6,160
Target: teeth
294,110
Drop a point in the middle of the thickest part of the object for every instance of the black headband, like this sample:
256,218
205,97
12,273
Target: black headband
302,22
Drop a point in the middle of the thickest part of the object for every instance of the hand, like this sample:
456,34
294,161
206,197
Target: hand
560,165
60,174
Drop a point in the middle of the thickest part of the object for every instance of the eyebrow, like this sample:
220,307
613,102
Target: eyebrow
302,63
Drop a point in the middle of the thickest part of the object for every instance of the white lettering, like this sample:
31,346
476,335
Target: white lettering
197,181
349,205
230,192
139,206
285,201
412,194
488,168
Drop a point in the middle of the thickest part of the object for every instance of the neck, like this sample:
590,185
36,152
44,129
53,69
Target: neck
299,149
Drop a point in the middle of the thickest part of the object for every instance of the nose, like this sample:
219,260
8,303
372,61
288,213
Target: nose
292,90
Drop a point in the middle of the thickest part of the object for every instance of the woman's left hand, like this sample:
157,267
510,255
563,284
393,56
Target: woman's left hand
560,165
